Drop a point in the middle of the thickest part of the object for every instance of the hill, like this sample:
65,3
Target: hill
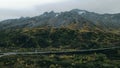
63,38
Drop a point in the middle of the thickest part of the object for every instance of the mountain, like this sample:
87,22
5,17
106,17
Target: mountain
77,18
103,20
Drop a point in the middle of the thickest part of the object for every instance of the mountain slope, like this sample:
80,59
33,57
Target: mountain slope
79,18
57,38
102,20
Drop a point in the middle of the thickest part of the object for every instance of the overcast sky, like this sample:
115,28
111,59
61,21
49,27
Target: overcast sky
17,8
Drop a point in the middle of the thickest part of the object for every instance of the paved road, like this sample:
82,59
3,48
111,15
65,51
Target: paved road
101,50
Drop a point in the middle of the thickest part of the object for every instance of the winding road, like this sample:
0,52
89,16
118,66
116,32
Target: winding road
89,51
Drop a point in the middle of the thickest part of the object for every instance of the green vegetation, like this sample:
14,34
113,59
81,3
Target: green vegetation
60,61
58,38
61,32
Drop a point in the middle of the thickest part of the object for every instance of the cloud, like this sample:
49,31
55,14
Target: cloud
99,6
103,6
20,4
18,8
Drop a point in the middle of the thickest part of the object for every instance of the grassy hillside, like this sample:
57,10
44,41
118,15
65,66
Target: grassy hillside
61,61
58,38
65,38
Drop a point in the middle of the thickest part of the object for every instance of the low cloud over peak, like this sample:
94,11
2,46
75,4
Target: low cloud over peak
18,8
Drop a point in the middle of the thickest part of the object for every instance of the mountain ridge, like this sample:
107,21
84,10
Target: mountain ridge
74,16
